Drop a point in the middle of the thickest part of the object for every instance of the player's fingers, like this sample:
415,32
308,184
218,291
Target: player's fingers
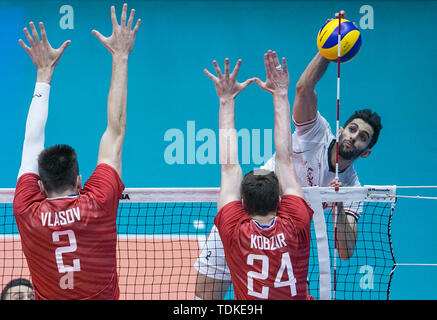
113,17
63,47
28,36
272,63
275,60
217,69
211,76
259,82
227,67
99,35
284,65
43,32
131,19
267,65
123,15
236,69
34,32
246,83
137,26
21,42
343,14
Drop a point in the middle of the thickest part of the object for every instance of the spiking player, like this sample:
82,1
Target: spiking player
314,156
263,218
68,233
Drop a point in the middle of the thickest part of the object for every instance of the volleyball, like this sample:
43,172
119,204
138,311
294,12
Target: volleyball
327,40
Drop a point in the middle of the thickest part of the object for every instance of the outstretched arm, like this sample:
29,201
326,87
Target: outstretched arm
305,102
277,84
45,59
227,89
119,44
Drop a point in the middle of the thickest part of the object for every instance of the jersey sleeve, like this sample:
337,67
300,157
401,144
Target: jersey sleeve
296,209
27,193
105,186
312,131
227,218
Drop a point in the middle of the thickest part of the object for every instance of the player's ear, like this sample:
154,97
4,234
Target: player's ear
41,188
366,153
79,182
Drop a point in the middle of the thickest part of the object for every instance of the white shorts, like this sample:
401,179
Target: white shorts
212,261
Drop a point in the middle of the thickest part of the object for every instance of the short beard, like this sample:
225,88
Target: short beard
348,154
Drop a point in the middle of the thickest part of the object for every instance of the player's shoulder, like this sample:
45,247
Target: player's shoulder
104,177
106,169
235,206
27,178
292,199
27,193
315,128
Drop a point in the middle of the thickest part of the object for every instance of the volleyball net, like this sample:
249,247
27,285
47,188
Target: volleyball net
161,233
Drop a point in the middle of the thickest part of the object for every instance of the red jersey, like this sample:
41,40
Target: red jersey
70,242
267,262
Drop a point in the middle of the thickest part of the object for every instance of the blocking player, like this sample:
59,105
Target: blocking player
314,157
262,218
68,233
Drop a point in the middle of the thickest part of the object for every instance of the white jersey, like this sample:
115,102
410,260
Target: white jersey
312,142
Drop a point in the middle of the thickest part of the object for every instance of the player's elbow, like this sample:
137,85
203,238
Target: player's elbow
345,254
346,248
117,122
303,87
117,129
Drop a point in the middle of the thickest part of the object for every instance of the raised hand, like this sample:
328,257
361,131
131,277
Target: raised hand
342,14
226,85
41,52
122,40
278,80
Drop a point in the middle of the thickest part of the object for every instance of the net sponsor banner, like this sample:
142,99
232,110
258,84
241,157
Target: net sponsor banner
328,194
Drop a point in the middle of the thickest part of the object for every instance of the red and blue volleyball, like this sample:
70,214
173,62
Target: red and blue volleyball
350,41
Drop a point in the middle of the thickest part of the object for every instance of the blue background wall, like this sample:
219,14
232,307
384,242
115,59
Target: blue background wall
394,74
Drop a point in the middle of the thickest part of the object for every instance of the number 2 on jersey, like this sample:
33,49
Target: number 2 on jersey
285,266
71,248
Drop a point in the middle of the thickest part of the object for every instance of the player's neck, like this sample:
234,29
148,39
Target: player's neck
265,220
61,194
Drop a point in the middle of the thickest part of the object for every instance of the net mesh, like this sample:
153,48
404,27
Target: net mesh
160,240
366,275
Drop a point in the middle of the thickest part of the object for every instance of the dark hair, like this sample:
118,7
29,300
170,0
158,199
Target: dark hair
58,168
373,119
14,283
260,192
